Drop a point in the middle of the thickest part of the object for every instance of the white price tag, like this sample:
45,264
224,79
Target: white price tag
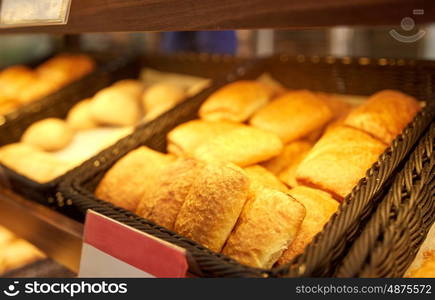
15,13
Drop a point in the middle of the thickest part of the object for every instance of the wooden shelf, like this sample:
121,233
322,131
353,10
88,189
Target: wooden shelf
171,15
55,234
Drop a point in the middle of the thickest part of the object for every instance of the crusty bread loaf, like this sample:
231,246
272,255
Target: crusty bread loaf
50,134
126,181
384,115
185,138
168,194
339,160
242,146
261,178
293,115
236,101
320,206
268,224
284,165
213,205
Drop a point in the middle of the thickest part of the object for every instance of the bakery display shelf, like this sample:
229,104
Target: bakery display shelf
55,234
147,15
326,74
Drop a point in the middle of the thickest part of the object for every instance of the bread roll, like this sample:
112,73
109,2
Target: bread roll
160,98
15,79
284,165
339,160
236,101
268,224
167,196
320,206
5,236
242,146
80,117
337,104
133,87
185,138
33,163
113,106
213,205
36,89
261,178
384,115
293,115
126,181
49,134
19,253
65,68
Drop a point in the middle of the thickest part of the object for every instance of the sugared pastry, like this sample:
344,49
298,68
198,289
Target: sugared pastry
339,160
236,101
126,181
185,138
161,97
261,178
213,205
284,165
80,117
320,206
242,146
293,115
49,134
163,201
269,222
113,106
32,162
384,115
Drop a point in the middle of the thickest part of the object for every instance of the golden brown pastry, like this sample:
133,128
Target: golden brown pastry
15,79
185,138
213,205
284,165
32,162
36,89
5,236
161,97
320,206
384,115
113,106
236,101
133,87
268,224
261,178
242,146
339,160
80,117
277,88
427,268
65,68
49,134
19,253
337,104
293,115
165,198
126,181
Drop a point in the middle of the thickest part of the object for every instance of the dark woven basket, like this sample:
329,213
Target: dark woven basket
58,104
392,237
322,74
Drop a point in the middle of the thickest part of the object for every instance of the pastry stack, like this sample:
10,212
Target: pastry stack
16,252
20,85
261,171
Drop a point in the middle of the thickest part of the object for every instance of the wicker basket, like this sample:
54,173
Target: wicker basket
324,74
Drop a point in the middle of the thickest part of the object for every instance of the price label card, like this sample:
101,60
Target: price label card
15,13
113,249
